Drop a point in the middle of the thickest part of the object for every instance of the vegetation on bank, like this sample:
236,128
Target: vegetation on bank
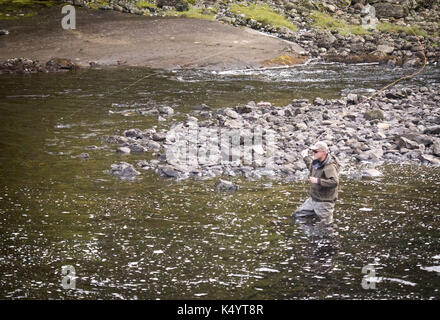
263,14
394,28
15,9
98,4
194,13
142,4
327,22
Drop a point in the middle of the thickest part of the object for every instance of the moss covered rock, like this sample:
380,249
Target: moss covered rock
374,115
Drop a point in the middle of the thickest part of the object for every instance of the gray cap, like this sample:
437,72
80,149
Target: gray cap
320,145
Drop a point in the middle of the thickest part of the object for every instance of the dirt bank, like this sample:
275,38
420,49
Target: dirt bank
112,38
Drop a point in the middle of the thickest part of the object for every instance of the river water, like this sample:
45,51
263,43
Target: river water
153,238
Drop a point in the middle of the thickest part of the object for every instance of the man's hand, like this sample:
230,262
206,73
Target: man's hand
313,180
304,153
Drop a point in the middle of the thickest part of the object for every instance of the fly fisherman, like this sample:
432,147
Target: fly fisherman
324,182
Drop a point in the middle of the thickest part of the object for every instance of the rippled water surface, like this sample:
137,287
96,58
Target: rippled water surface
160,239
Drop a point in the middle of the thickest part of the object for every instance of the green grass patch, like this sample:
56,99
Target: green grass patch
193,13
98,3
393,28
142,4
26,3
327,22
16,9
263,14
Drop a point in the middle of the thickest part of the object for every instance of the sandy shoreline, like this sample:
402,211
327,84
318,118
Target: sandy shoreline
114,38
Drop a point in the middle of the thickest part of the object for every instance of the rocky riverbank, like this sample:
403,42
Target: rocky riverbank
393,33
110,38
334,30
397,126
23,65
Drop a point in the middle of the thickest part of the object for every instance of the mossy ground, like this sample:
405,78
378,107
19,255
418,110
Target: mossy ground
393,28
98,4
146,4
15,9
324,21
194,13
327,22
263,14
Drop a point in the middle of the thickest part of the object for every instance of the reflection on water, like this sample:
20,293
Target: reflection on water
323,243
159,239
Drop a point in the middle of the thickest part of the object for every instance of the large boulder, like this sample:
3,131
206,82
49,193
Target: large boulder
389,10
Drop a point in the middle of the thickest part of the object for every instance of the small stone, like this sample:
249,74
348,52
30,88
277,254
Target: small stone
403,142
319,102
374,115
383,125
352,98
301,126
432,129
153,145
169,171
166,110
371,173
125,150
159,136
263,104
436,148
231,113
430,159
244,109
136,148
124,170
223,185
142,164
385,49
233,124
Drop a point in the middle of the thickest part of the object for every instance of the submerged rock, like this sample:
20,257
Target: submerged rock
373,173
124,150
124,170
223,185
166,110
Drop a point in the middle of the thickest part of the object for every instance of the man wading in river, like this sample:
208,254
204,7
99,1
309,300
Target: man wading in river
324,182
